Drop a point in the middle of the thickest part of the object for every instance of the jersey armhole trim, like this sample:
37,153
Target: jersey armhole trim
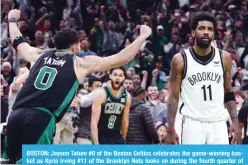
126,97
180,109
221,59
74,57
106,92
184,65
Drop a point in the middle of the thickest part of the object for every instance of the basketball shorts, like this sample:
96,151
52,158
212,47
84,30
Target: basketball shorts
245,140
200,132
110,138
28,126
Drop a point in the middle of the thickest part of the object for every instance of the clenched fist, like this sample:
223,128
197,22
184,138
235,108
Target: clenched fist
145,31
14,14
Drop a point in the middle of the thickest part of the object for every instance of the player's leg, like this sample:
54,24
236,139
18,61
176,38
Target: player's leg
103,138
245,140
14,127
114,137
217,133
193,132
38,128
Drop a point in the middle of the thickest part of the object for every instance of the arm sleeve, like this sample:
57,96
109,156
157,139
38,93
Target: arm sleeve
87,100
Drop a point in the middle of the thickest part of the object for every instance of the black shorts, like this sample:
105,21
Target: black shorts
245,140
110,138
28,126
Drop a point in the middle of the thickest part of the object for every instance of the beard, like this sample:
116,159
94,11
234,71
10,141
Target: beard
116,85
129,90
201,43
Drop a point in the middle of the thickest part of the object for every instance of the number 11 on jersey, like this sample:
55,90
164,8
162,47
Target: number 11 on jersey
205,92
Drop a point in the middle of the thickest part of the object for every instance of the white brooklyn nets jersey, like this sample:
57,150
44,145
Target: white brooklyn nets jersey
202,89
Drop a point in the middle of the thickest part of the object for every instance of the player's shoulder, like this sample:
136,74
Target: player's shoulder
128,95
102,91
177,61
100,95
223,53
227,58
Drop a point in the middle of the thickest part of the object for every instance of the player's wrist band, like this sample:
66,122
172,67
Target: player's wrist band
12,20
170,130
235,117
18,40
229,97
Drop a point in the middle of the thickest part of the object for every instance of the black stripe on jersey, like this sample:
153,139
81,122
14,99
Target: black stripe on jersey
221,59
185,64
183,121
181,107
200,62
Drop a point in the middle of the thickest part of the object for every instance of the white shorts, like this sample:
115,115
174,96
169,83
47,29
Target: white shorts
200,132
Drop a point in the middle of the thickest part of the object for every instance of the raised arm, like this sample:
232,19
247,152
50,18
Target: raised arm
17,83
96,112
125,117
175,85
230,102
95,63
30,54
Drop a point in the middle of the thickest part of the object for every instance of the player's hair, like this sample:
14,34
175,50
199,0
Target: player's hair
93,79
121,68
137,91
65,38
202,16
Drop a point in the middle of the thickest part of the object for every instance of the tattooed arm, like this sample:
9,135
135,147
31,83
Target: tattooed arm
175,85
230,102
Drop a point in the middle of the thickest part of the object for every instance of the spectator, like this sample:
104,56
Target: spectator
111,41
161,131
7,72
128,84
158,109
4,103
15,87
141,129
85,49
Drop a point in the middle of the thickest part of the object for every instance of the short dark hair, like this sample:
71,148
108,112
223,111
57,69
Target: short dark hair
65,38
137,91
93,79
129,78
121,68
202,16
